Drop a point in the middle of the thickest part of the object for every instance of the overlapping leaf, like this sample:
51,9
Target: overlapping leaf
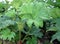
34,32
32,12
56,26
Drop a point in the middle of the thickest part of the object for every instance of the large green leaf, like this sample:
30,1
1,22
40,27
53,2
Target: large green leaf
37,22
4,22
35,11
6,34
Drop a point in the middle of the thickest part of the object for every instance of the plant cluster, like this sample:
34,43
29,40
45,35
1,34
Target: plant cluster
29,20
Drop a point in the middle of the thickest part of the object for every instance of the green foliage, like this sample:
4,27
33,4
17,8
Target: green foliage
34,31
32,13
6,34
28,17
57,24
56,36
10,13
5,22
55,3
32,40
16,3
55,27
